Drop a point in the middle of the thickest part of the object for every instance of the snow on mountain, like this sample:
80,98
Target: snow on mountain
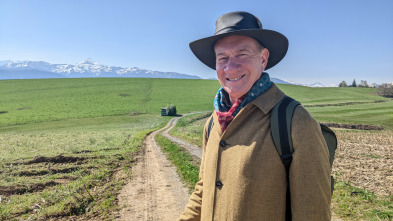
317,84
27,65
4,62
90,68
279,81
87,68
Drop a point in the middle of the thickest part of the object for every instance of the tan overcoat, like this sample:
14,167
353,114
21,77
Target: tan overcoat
242,176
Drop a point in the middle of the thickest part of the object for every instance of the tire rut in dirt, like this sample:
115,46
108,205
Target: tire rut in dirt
155,192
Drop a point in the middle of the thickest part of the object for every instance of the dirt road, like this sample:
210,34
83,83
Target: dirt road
155,191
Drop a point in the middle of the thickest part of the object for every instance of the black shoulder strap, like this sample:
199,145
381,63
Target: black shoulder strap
211,124
281,120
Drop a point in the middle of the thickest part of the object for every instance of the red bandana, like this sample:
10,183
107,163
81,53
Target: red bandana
225,118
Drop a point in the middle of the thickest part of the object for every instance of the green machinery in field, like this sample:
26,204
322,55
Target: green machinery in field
168,111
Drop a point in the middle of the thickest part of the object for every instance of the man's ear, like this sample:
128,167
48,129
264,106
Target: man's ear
265,57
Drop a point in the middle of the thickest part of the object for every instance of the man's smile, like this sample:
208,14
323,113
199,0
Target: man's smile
235,79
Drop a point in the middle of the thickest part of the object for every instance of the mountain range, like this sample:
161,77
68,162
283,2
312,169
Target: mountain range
84,69
88,68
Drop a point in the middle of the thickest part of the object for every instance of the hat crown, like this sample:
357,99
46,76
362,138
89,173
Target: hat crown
235,21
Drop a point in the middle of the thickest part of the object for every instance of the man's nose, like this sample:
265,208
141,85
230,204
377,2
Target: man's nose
232,66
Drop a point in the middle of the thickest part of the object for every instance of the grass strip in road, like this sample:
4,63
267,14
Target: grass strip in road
190,128
352,203
181,159
185,121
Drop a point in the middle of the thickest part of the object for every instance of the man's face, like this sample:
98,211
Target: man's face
239,64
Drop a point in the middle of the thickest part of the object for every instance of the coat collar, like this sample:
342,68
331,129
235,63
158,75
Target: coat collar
269,99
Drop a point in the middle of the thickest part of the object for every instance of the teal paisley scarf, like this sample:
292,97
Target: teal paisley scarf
226,111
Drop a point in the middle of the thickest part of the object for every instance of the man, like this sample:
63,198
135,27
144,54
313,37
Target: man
241,175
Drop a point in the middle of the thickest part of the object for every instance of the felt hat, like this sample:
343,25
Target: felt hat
241,23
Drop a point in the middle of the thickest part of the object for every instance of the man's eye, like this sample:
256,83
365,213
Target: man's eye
222,59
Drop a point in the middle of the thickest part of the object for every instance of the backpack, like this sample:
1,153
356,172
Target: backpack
280,125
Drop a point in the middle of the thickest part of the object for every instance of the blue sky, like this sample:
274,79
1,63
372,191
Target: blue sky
329,41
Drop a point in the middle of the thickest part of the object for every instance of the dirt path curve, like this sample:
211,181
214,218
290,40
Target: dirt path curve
155,192
192,149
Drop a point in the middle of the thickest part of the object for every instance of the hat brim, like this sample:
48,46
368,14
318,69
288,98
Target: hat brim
275,42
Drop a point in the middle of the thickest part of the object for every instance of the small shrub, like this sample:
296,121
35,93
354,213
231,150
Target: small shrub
385,90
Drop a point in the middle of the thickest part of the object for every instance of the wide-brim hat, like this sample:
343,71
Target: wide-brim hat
241,23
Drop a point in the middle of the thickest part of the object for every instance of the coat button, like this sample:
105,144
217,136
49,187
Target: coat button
223,143
219,184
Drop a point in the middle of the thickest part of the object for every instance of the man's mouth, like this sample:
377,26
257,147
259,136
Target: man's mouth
235,79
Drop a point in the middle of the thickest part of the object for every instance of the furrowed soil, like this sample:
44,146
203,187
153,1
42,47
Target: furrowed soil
365,160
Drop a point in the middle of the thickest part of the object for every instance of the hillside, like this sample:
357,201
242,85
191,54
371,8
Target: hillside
29,101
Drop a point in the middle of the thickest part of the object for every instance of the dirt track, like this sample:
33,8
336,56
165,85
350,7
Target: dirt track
155,192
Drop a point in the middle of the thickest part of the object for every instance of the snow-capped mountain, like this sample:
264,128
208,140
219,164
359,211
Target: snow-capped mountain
87,68
279,81
317,84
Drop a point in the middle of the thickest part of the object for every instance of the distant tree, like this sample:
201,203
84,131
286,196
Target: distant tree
385,90
343,84
363,83
353,83
373,85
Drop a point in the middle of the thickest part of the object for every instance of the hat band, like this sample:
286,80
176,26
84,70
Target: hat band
232,29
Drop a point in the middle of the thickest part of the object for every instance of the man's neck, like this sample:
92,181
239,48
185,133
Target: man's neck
234,99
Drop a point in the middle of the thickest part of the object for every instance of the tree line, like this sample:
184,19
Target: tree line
363,83
385,89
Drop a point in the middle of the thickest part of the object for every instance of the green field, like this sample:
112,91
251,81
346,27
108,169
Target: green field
64,142
33,101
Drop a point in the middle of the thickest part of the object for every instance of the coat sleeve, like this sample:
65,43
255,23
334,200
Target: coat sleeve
310,170
192,210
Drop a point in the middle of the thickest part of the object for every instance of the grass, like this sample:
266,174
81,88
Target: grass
360,204
380,114
358,105
331,95
181,159
190,128
34,101
43,100
69,136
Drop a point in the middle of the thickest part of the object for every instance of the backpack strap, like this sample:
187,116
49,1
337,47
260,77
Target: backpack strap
280,126
331,142
209,128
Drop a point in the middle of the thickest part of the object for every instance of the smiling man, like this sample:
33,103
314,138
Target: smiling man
240,61
241,175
